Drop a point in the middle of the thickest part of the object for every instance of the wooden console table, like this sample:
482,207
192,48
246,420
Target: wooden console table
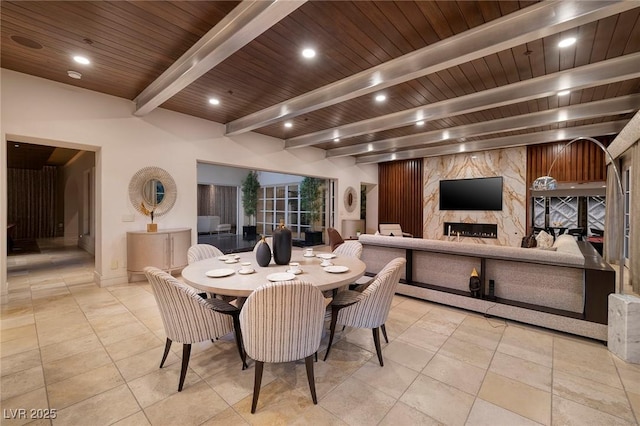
165,249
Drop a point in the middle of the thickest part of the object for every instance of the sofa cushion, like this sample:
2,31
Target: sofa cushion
567,254
544,240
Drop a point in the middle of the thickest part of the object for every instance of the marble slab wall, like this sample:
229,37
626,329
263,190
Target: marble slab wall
510,163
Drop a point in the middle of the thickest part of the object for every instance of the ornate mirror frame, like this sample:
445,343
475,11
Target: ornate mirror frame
350,199
152,176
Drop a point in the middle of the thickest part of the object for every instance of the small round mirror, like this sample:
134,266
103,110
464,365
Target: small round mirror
350,198
153,192
152,188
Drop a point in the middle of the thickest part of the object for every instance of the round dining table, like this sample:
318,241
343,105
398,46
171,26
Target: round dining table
217,276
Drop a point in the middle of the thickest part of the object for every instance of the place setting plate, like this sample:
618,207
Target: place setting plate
229,257
336,269
246,272
219,273
326,255
281,276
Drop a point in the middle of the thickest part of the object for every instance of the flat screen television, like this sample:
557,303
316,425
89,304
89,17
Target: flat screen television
471,194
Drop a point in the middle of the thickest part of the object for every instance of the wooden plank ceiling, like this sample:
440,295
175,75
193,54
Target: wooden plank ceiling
515,72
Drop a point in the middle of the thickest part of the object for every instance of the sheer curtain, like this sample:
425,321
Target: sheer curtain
634,246
612,231
31,202
218,200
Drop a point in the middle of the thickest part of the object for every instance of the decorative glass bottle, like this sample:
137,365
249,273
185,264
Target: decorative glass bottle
263,253
282,243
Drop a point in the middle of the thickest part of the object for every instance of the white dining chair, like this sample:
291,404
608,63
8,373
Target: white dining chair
202,251
282,322
188,318
369,308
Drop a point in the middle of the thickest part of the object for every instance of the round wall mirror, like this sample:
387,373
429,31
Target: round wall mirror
152,188
350,199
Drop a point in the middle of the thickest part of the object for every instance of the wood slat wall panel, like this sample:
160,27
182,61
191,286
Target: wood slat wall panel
400,195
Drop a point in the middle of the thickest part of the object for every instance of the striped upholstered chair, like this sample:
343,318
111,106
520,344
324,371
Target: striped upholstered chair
199,252
369,308
202,251
188,318
282,322
349,248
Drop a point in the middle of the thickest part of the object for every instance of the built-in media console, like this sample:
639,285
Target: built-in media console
476,230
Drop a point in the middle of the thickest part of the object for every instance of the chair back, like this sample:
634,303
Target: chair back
204,224
349,248
187,317
373,308
202,251
393,229
215,222
282,321
335,239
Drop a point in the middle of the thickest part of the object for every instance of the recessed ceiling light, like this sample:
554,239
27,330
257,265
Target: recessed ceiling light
214,101
569,41
16,146
473,157
564,92
420,123
81,60
288,124
308,53
336,140
74,74
381,98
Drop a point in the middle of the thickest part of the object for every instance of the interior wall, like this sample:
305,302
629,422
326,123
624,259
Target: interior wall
510,163
37,109
74,176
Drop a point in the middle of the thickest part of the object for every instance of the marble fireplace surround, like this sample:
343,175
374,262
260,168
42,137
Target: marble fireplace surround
510,163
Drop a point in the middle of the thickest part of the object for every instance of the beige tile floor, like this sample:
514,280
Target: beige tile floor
92,354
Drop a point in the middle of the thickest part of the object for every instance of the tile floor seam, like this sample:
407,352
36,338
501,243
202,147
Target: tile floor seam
113,362
624,388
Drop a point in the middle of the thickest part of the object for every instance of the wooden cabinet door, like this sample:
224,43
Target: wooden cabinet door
147,249
180,243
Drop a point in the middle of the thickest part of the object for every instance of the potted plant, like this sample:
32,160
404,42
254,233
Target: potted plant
250,188
311,202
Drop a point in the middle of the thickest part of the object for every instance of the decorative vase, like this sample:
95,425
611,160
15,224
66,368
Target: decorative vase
263,253
282,243
474,284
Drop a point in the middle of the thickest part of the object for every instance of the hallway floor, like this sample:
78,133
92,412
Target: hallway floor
92,355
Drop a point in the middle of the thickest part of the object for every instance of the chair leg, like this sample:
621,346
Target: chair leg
238,333
167,346
257,381
308,361
384,333
376,340
334,319
186,353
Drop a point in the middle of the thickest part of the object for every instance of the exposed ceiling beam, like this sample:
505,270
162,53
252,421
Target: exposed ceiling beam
245,22
532,23
603,108
604,72
592,130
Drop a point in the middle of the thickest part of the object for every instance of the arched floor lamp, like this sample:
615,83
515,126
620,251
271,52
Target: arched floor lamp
549,183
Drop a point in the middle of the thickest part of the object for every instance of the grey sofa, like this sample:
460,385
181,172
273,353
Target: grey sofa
542,287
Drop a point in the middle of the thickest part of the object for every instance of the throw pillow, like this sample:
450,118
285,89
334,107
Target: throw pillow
544,240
